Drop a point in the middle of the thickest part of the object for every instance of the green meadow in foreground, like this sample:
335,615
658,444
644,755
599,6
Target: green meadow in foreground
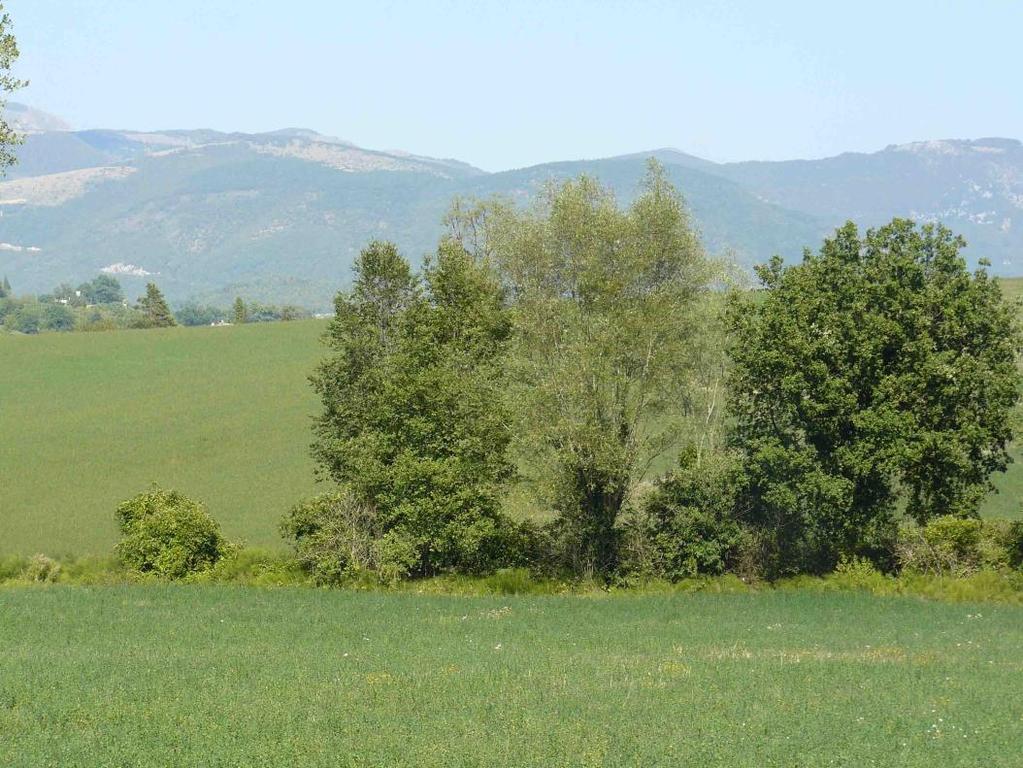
232,676
89,419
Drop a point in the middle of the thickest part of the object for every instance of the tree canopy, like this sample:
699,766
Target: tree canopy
875,373
605,307
413,418
574,343
102,289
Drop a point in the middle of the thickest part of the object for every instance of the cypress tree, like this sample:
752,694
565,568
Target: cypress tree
241,312
154,308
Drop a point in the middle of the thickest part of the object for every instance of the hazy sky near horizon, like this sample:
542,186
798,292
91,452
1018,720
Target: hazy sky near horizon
509,84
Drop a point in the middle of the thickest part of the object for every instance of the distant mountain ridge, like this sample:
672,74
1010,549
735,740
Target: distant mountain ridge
280,215
26,119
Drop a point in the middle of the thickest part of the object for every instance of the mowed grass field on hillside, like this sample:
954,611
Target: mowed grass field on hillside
234,676
88,419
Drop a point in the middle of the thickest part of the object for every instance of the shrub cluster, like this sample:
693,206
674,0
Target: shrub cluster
338,538
685,526
952,546
166,534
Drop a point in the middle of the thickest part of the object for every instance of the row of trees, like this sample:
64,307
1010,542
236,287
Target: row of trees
100,304
102,289
195,313
573,348
97,305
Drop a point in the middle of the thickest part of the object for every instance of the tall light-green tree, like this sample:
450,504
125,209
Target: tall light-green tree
607,306
9,138
878,372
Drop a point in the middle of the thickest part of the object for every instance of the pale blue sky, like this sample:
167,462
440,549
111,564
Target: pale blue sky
507,84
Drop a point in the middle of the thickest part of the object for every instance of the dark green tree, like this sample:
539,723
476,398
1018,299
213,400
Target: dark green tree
103,289
5,288
241,313
413,417
875,372
193,313
155,312
9,138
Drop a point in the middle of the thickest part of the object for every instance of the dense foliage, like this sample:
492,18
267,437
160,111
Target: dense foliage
876,372
687,526
956,546
193,313
605,308
96,305
413,418
103,289
166,534
580,339
338,537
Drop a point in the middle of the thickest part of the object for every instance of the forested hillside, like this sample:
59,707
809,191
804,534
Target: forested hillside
281,215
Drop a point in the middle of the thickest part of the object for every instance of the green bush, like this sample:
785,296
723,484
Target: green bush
257,568
953,546
166,534
957,538
511,581
42,569
686,525
338,538
858,573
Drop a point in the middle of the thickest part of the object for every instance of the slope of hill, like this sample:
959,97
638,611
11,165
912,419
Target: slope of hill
89,419
207,213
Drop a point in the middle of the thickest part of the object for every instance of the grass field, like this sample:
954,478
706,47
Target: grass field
87,419
221,676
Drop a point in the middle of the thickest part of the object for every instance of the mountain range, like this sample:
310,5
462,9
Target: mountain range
279,216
